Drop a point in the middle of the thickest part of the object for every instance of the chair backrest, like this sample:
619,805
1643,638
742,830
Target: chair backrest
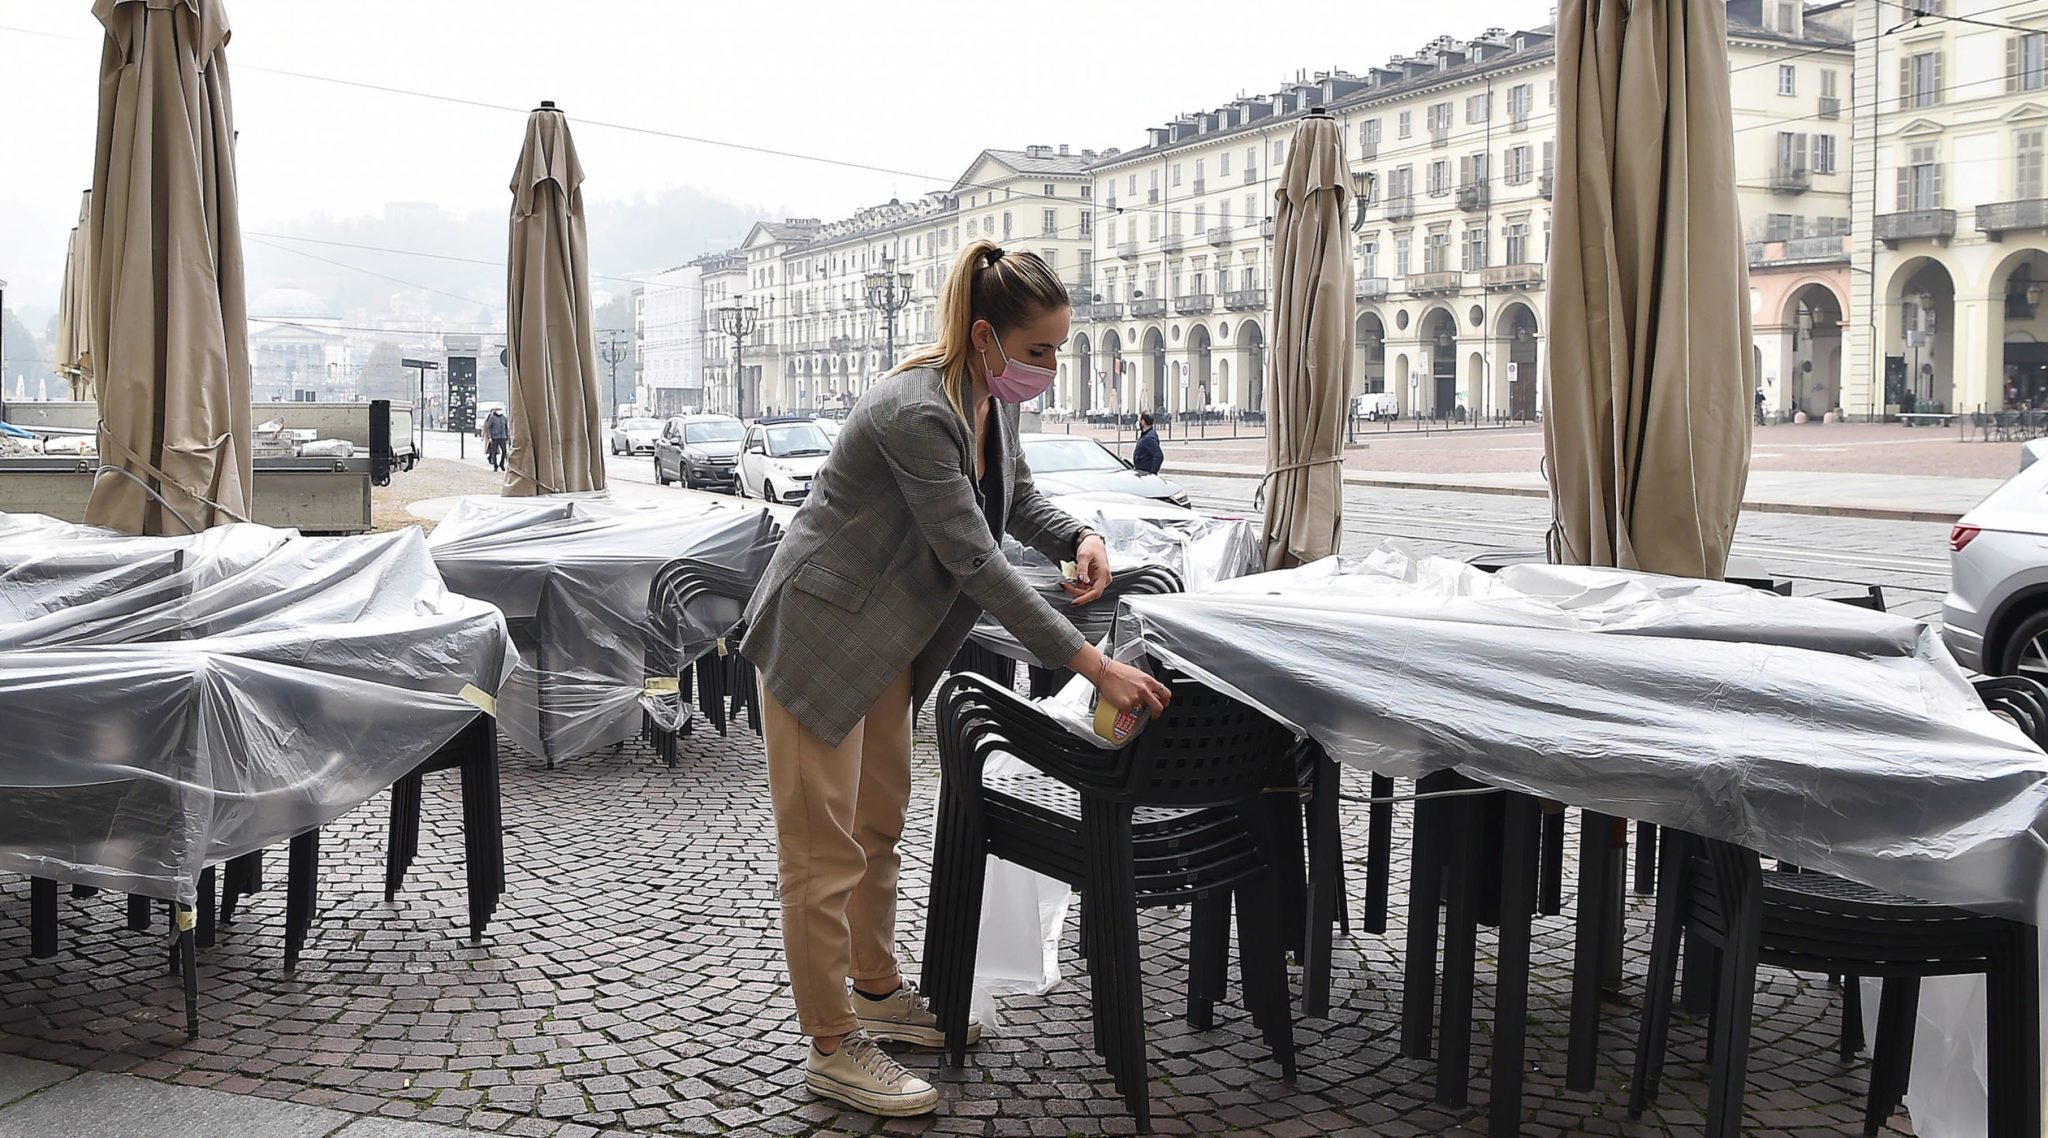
1206,749
1144,580
2020,699
1873,599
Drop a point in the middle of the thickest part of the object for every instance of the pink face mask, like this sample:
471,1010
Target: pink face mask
1016,383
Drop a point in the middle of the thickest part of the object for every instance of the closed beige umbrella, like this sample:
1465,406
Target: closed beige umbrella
74,306
1646,415
557,436
1312,308
169,338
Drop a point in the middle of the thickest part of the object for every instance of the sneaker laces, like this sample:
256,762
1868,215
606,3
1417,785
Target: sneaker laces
870,1057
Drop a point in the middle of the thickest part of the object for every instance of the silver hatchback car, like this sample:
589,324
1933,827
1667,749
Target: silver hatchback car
1995,617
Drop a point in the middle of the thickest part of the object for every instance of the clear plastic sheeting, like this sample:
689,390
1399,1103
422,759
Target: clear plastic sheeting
171,702
1200,549
573,574
1834,737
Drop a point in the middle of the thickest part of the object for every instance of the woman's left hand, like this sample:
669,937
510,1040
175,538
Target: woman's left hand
1091,569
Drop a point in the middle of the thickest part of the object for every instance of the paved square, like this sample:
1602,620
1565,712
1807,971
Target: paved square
632,984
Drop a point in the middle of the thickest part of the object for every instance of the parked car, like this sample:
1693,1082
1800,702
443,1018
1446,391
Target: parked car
780,457
1995,617
1374,406
635,436
1076,464
699,450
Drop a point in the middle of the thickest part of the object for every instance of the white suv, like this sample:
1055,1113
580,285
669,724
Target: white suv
780,457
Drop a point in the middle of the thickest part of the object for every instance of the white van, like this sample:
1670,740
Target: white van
1374,406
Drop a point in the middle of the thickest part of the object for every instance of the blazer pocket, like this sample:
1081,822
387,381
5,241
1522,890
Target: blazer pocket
827,585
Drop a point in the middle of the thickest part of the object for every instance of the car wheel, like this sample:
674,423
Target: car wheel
768,491
2026,650
739,487
661,477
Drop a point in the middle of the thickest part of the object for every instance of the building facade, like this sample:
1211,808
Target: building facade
1952,99
671,339
1459,143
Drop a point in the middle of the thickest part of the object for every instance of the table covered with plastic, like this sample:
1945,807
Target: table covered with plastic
574,574
172,702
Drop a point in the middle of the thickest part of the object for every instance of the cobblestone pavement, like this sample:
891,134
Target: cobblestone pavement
631,984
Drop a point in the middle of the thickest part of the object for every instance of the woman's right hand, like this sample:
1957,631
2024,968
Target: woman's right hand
1127,688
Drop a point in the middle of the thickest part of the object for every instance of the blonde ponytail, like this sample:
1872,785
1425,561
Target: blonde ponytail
986,283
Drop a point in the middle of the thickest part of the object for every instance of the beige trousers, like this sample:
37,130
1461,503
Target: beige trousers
838,815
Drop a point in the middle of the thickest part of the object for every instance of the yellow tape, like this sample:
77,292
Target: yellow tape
187,918
664,685
478,697
721,645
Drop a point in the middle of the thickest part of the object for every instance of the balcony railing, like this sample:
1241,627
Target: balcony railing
1937,225
1790,180
1835,248
1372,288
1150,306
840,343
1201,185
1251,174
1439,136
1128,250
1472,197
1266,229
1400,207
1195,303
1996,219
1219,236
1498,277
1244,299
1173,243
1151,195
1101,312
1369,151
1434,284
1830,107
1546,184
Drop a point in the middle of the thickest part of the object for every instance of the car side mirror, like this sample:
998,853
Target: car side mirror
758,448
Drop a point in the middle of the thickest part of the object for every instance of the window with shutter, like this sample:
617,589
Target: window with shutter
2027,180
2024,70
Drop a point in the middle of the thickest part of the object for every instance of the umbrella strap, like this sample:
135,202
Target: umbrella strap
1259,499
163,479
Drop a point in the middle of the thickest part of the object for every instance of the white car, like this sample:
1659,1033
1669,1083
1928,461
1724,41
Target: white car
780,457
1995,617
635,436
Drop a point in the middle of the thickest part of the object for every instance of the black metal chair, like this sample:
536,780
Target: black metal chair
1813,922
1178,816
1092,620
693,628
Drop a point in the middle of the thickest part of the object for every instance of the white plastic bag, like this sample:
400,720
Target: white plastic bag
1023,915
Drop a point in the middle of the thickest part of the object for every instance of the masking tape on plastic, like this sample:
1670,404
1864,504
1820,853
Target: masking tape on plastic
187,918
482,700
664,685
721,645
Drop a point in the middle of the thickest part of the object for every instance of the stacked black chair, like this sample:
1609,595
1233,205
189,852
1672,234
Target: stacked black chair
1092,620
687,596
1813,922
1177,816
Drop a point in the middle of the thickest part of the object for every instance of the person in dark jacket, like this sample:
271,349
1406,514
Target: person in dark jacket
497,433
1148,457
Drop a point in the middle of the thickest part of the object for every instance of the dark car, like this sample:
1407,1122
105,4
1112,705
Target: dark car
1076,464
699,450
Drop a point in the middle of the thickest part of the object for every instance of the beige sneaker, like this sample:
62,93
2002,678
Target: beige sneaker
904,1016
865,1077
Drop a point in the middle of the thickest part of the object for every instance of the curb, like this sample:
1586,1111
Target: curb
1357,478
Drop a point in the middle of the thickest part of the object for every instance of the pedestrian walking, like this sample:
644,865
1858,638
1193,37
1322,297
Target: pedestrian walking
1759,406
871,592
497,435
1148,456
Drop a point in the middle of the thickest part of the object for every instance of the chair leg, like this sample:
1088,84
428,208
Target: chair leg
1511,985
241,877
953,924
2014,1031
1728,1051
204,935
1467,844
301,890
1425,898
1107,828
138,913
1208,957
1379,853
1646,858
1292,880
1654,1032
182,921
42,917
1892,1059
1596,885
1550,885
482,825
1262,970
403,842
1325,888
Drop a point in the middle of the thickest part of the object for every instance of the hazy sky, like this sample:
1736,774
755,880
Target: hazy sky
917,86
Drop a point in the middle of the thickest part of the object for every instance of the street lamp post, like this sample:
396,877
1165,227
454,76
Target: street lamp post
613,353
888,293
739,320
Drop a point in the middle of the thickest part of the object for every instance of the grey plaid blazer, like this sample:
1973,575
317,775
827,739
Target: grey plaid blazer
890,561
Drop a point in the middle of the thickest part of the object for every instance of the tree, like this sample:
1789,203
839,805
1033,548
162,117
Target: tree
28,357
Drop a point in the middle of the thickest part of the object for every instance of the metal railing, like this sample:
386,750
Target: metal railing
1201,185
1400,207
1372,288
1511,276
1434,284
1790,180
1472,197
1127,249
1830,107
1266,228
1915,225
1244,299
1799,249
1195,303
1102,311
1150,306
1546,185
1251,174
1173,243
1997,218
